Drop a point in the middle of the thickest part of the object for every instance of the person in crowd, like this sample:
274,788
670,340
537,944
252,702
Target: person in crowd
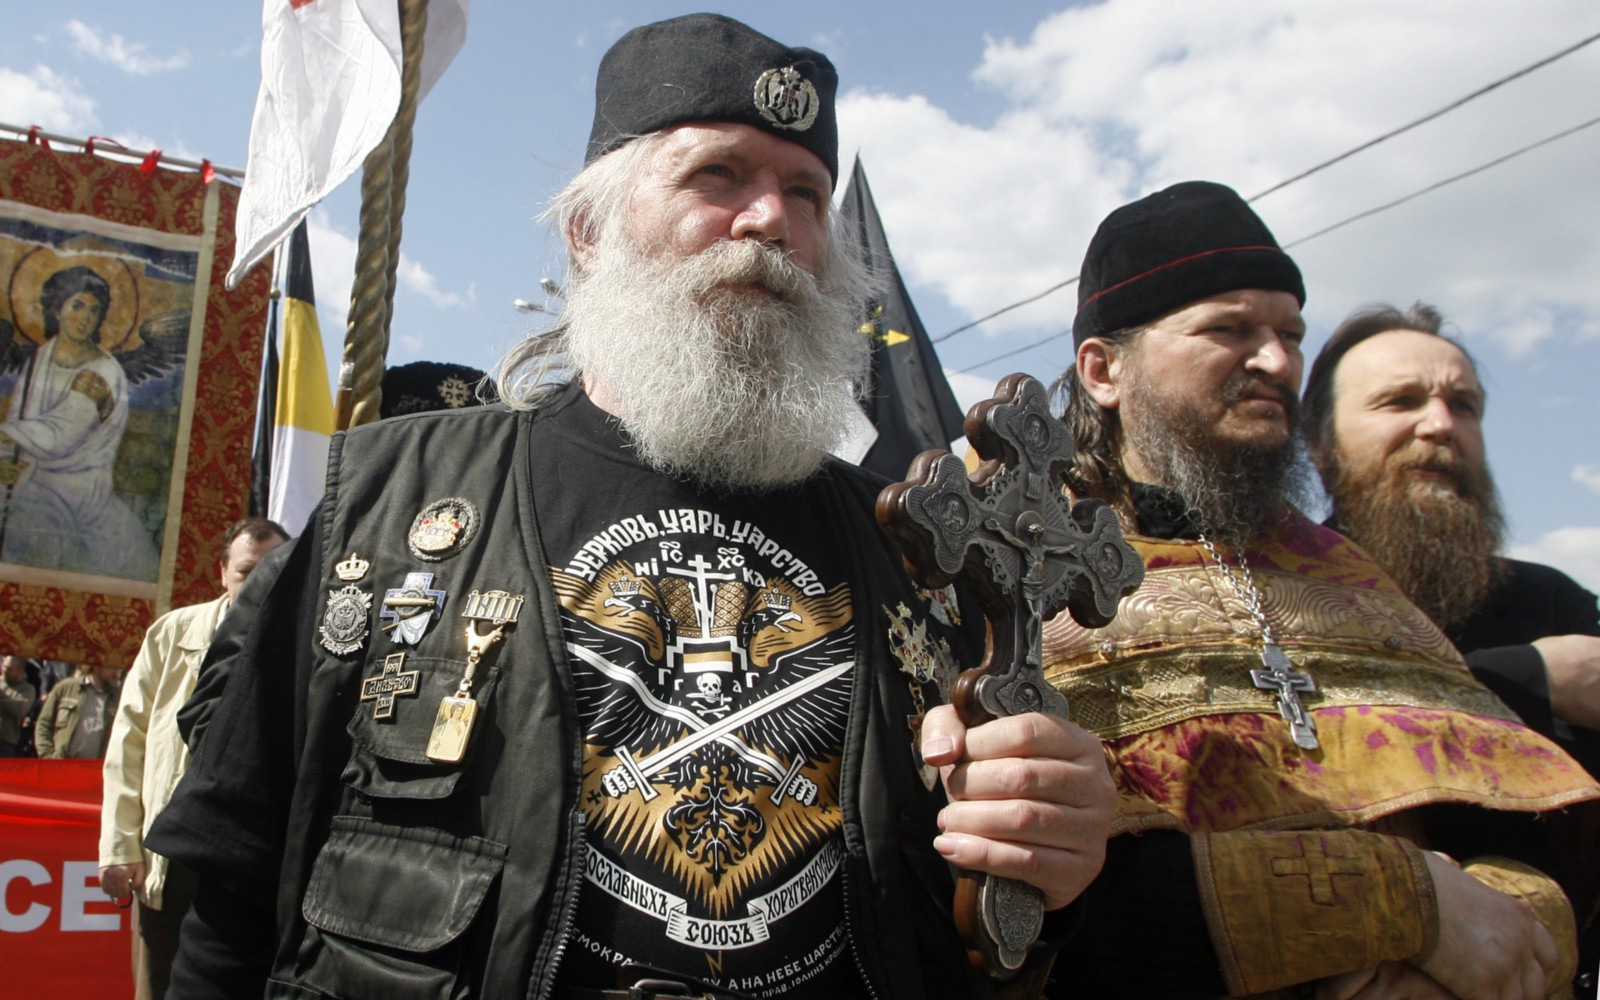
1394,416
50,672
1394,421
618,690
75,720
17,699
145,757
1313,791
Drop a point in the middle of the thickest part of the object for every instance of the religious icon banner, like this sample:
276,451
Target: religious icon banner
128,379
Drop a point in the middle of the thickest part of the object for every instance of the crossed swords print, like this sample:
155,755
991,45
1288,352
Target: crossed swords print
632,774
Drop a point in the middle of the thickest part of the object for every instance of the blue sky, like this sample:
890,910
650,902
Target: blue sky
996,136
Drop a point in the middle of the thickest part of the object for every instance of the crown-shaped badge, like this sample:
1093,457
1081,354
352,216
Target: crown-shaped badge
353,568
774,600
628,587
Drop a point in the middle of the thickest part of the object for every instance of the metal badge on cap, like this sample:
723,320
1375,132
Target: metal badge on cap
455,392
443,528
787,99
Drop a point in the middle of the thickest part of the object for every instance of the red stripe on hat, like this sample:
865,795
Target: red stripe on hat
1171,264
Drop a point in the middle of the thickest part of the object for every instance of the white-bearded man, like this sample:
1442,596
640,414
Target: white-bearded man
1292,740
640,710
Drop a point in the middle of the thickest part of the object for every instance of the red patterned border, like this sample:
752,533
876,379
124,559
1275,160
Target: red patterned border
85,627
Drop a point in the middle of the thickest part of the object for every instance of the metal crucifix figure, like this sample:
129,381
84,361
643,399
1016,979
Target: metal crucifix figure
1025,550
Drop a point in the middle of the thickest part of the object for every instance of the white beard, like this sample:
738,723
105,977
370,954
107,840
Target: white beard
734,368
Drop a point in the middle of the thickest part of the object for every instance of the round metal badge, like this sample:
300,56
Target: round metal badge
443,528
344,624
787,99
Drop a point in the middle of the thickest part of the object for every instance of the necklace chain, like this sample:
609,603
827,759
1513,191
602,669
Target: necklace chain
1277,671
1245,588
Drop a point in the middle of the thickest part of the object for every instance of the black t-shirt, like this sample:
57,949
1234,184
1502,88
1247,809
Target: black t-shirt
713,649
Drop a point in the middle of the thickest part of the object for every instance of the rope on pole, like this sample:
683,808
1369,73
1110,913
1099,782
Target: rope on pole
383,179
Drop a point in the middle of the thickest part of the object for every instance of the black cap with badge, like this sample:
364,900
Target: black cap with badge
431,385
711,68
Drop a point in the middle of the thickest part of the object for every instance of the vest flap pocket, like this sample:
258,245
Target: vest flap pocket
399,703
413,889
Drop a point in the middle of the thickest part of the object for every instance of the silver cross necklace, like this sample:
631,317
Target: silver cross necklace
1276,672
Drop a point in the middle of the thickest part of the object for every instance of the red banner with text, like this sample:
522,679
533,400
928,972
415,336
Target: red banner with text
60,935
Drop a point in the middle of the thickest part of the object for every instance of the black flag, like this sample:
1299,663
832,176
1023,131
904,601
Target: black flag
266,419
909,401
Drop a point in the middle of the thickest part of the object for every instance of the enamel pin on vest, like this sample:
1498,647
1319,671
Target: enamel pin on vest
410,608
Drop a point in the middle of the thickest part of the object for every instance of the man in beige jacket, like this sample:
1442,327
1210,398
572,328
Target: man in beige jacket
146,756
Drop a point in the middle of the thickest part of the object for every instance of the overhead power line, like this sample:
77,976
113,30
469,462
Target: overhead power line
1453,105
1564,133
1447,181
1524,71
1005,309
1025,347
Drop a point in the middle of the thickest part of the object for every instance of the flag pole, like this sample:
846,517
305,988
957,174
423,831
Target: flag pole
383,198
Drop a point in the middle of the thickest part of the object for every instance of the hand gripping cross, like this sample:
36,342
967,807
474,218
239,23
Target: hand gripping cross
1014,538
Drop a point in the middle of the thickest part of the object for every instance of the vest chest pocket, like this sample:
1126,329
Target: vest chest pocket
388,907
394,719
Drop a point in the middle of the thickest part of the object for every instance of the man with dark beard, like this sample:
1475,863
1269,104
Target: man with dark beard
1394,422
1394,414
639,714
1291,739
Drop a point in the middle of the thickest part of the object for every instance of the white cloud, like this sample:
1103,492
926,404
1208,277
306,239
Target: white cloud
54,102
1588,475
414,277
1575,551
1110,101
130,57
333,264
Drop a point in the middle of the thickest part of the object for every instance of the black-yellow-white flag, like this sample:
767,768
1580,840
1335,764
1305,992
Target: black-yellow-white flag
303,409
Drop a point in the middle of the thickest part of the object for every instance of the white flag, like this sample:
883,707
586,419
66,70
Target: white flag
330,86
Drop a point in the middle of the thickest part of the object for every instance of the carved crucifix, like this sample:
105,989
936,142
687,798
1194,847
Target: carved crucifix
1011,536
1277,674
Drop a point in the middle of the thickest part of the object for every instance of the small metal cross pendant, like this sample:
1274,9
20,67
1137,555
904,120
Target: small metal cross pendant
1277,674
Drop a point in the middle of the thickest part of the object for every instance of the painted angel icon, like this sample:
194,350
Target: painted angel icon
72,350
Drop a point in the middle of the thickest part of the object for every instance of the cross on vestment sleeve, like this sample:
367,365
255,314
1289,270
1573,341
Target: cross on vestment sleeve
1015,539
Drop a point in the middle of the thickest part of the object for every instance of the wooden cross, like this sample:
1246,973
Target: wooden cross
1025,550
384,688
1318,868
